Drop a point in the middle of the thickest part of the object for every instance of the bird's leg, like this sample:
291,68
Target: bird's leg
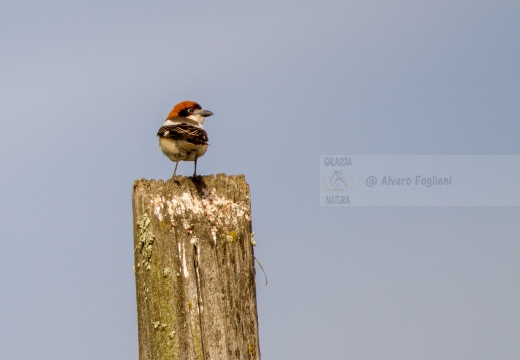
175,171
195,171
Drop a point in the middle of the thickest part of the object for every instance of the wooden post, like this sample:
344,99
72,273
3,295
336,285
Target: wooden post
194,269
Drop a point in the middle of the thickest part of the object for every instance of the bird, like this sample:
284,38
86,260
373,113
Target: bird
182,136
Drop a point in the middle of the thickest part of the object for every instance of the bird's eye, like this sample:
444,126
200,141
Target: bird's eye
190,110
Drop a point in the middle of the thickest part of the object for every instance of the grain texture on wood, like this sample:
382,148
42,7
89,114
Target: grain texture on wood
194,269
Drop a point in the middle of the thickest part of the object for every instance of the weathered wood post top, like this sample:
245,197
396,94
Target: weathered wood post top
194,268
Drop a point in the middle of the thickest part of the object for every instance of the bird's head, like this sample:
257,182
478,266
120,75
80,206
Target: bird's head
191,110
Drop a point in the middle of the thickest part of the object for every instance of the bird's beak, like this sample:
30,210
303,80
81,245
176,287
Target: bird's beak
202,112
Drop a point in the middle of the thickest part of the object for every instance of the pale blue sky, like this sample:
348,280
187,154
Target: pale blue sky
85,86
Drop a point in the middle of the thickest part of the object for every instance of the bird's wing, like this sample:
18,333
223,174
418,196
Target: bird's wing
183,131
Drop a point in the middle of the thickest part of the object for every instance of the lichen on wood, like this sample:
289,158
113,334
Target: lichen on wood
194,268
